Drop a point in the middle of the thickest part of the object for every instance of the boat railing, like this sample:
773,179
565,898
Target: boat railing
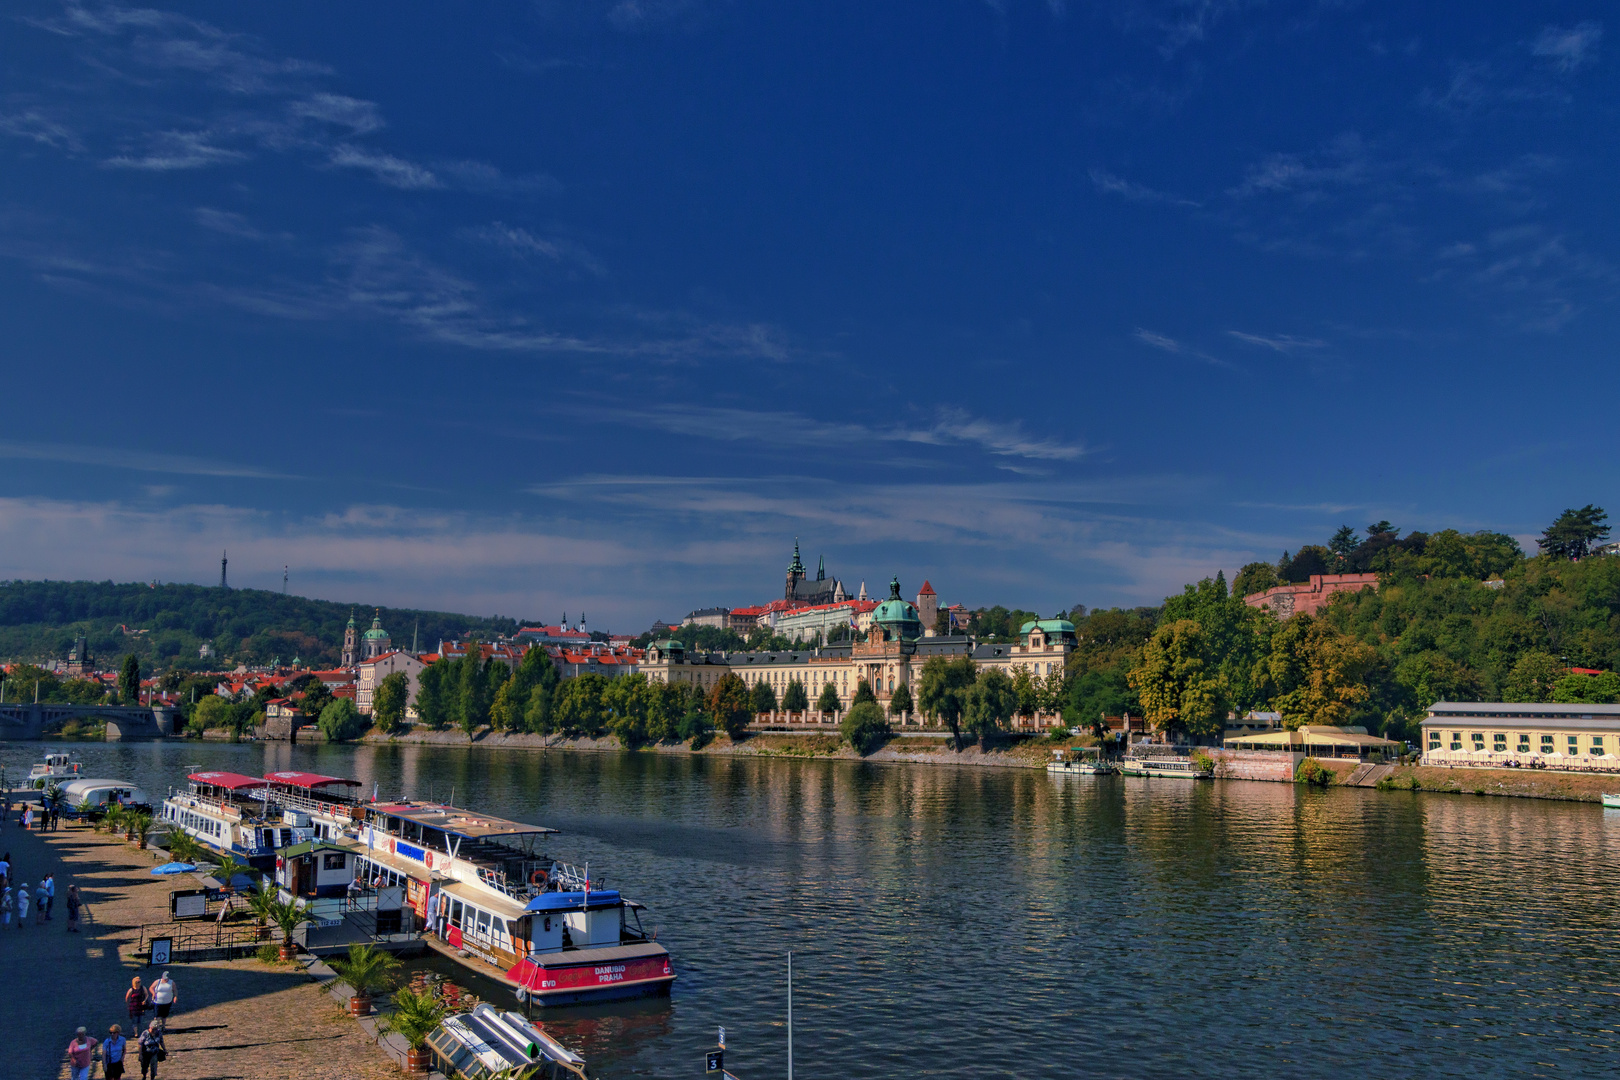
571,878
304,802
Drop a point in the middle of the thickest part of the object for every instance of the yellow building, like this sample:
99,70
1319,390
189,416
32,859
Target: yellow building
1507,733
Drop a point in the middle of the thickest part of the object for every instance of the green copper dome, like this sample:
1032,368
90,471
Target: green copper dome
376,632
897,616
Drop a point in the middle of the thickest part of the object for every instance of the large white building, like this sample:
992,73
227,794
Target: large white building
893,655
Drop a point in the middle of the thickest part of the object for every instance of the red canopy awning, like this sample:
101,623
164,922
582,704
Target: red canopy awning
307,779
229,780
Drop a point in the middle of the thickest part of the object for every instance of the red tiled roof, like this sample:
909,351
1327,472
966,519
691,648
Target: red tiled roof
926,590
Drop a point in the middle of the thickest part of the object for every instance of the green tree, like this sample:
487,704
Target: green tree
1574,689
942,690
731,705
341,721
900,703
474,705
794,698
764,697
1235,635
1343,544
990,704
129,681
388,702
1574,533
1027,694
864,728
539,714
435,694
628,700
1255,577
1179,682
1316,675
209,712
1532,679
829,701
863,692
581,707
317,696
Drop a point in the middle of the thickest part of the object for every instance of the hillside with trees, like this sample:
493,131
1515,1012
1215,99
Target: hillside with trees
1456,617
166,625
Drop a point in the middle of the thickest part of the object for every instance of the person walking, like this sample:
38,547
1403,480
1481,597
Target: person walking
5,905
81,1055
45,899
73,909
5,868
113,1048
28,818
22,905
137,1000
163,998
152,1051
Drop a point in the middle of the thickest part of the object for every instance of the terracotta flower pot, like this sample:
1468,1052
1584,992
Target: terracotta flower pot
417,1061
359,1005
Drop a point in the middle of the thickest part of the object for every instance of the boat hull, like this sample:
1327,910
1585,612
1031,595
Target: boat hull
573,977
1612,801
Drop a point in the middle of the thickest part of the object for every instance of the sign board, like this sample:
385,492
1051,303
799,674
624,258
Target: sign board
162,948
722,1039
716,1061
188,905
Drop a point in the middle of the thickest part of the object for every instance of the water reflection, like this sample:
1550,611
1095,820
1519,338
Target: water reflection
965,922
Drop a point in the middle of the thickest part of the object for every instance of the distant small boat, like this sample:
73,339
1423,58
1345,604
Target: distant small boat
54,769
1178,767
1612,801
1075,762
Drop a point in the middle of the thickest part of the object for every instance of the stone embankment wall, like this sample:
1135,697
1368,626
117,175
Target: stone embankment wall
1255,764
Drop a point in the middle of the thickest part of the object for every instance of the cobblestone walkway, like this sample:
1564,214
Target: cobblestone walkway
234,1020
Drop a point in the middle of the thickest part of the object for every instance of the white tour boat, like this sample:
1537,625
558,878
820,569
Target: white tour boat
490,899
231,814
54,768
1612,801
1076,762
1179,767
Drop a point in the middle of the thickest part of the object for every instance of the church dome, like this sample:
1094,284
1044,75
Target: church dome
897,616
376,633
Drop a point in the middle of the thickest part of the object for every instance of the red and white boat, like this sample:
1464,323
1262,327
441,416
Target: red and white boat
490,899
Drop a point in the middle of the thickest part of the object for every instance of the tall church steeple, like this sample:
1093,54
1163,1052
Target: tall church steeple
795,572
821,569
351,643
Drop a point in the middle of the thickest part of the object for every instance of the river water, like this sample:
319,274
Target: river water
993,922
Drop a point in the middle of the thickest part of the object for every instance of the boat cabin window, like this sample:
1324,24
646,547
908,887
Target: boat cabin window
332,861
455,913
483,924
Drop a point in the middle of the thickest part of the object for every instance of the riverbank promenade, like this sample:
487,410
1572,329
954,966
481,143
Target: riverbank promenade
238,1019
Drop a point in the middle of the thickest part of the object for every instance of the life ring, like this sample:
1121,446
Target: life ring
539,877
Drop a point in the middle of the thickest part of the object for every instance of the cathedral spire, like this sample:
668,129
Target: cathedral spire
821,569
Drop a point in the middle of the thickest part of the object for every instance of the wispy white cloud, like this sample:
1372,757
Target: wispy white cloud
1165,343
1568,47
171,150
952,427
1282,343
137,460
522,242
34,125
1110,184
393,171
357,116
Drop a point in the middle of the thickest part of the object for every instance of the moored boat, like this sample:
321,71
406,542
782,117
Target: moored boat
101,792
231,814
1612,801
487,1042
491,900
54,768
1176,767
1080,761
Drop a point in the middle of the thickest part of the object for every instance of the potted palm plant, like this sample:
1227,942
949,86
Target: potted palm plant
113,818
263,903
183,847
416,1015
136,825
229,866
367,969
287,915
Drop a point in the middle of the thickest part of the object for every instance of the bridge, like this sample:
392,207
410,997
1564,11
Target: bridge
123,722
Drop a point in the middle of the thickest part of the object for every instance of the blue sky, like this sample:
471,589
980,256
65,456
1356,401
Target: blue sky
570,305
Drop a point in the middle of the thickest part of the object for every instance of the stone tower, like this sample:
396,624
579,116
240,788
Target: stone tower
927,607
351,643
